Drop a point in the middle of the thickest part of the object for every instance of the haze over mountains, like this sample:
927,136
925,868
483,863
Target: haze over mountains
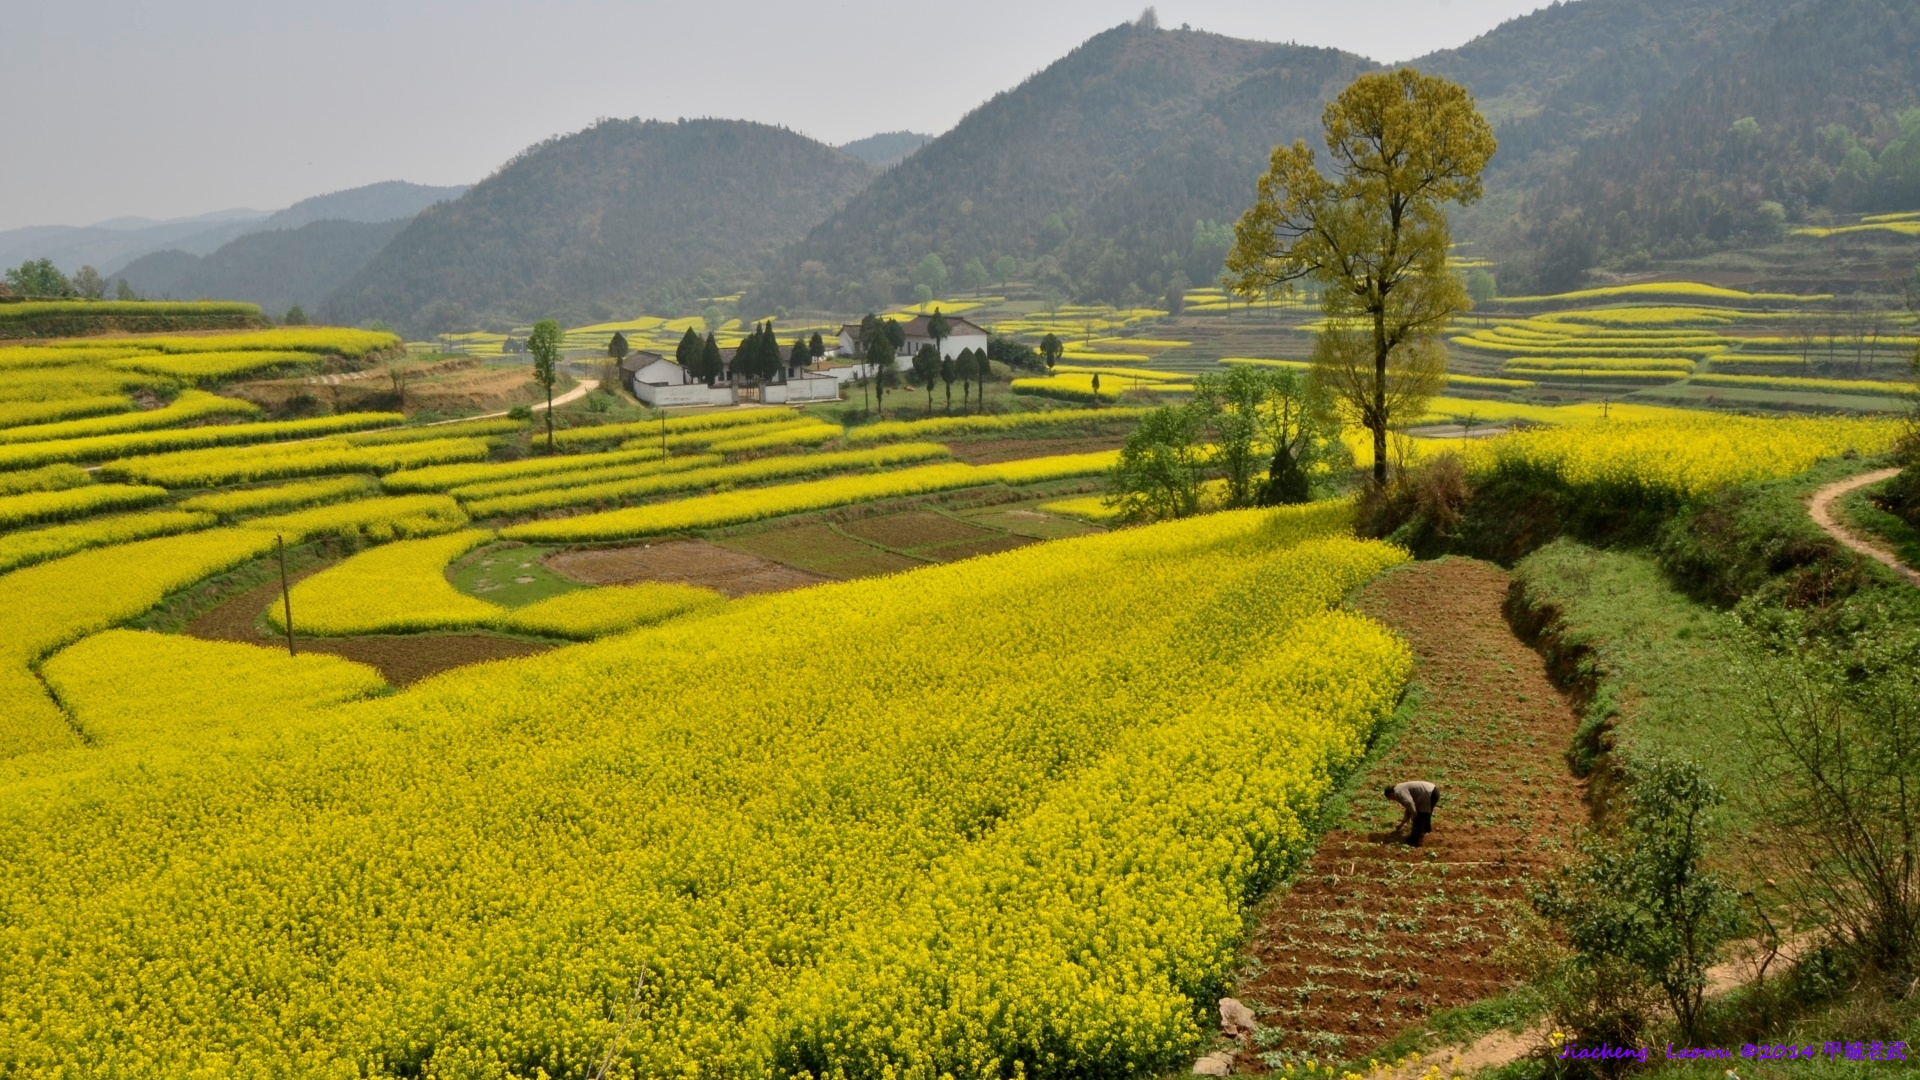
1630,129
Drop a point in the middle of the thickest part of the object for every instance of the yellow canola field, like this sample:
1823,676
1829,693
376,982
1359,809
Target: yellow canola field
20,414
210,367
35,507
377,519
50,605
448,477
585,614
922,866
167,440
194,687
1080,387
754,504
1823,386
394,588
973,425
811,433
1654,462
1685,290
674,425
31,546
264,500
189,406
275,461
745,472
647,465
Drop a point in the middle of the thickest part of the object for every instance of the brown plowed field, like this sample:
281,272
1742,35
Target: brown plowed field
1375,935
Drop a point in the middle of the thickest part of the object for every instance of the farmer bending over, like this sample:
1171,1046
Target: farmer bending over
1417,798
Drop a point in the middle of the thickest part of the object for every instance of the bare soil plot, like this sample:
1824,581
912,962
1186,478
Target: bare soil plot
1375,935
991,545
915,529
401,658
693,562
817,548
992,451
408,658
1022,521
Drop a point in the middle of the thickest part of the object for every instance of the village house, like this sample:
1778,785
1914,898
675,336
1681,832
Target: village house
662,383
961,336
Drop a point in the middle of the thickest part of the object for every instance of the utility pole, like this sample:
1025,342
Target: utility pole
286,595
663,434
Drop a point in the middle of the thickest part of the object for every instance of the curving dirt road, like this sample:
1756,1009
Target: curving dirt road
1821,507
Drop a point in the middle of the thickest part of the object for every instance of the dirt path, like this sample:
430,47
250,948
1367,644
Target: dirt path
1375,935
1821,507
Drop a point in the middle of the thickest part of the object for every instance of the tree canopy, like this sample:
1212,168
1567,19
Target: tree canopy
1374,238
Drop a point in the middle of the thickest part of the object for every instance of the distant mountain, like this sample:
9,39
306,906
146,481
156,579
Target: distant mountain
110,244
1099,167
601,218
275,269
1817,113
886,148
389,200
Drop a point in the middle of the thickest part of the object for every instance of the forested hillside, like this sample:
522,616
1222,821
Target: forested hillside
1572,71
1814,115
602,217
1098,167
276,269
886,148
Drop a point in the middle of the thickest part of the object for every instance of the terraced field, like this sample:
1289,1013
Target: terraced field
1375,935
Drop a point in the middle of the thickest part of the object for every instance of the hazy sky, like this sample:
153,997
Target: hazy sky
117,107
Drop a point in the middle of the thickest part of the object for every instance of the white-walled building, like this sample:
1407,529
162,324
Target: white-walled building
961,336
662,383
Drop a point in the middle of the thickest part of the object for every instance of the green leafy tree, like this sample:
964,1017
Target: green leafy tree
687,353
938,327
1004,268
1177,294
1836,729
1481,286
712,364
932,273
713,317
949,371
1161,467
926,371
1647,897
816,348
88,283
882,359
544,343
39,277
1374,238
617,347
965,368
922,294
296,316
973,276
124,291
1051,350
800,358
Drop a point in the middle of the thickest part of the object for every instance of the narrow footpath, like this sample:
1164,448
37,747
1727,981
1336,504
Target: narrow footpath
1821,507
1374,935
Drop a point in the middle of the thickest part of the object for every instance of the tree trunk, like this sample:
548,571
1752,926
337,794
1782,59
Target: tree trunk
1379,425
549,418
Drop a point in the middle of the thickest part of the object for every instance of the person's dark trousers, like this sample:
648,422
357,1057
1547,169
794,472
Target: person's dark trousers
1422,825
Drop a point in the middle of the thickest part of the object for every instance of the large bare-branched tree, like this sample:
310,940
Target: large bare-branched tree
1374,238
